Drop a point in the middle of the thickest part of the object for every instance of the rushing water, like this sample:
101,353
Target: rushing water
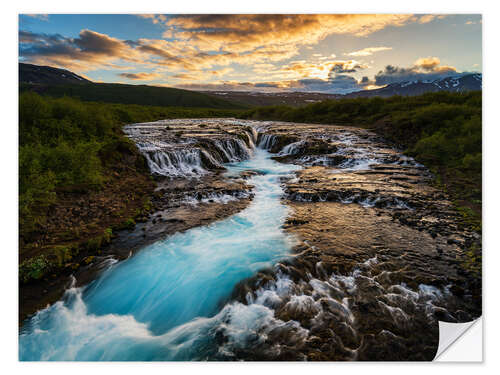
167,302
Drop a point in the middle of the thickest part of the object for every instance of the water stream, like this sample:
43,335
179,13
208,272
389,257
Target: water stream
167,302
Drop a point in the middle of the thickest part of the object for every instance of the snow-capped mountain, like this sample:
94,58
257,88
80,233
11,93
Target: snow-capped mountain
459,83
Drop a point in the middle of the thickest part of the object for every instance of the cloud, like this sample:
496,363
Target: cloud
426,18
185,76
350,66
221,72
42,17
335,80
320,70
140,76
324,76
263,68
427,63
204,42
90,50
246,32
92,42
426,68
208,48
368,51
250,39
337,84
155,18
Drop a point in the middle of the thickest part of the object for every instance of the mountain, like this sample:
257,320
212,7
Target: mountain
55,82
36,74
463,83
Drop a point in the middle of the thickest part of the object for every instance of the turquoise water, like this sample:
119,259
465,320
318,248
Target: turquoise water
167,302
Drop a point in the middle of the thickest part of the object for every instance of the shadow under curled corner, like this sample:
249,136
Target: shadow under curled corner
460,342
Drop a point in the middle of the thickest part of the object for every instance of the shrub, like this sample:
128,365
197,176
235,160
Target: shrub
33,268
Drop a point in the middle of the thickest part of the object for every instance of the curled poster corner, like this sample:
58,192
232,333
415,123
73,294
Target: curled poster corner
460,334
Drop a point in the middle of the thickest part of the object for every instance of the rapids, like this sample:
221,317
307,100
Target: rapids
167,302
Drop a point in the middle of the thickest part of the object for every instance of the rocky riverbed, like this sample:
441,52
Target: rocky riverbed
379,255
382,258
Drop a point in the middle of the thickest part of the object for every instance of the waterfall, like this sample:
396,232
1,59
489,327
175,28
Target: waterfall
233,149
267,141
251,138
188,162
244,151
175,163
213,160
291,149
255,134
193,160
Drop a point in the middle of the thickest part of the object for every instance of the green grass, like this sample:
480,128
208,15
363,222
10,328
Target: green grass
132,94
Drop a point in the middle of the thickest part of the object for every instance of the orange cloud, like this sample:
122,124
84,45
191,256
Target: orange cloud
426,18
140,76
246,32
425,68
427,63
186,76
368,51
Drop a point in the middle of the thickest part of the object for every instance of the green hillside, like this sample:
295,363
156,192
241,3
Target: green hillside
131,94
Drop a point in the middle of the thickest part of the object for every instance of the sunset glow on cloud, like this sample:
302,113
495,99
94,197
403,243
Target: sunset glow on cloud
328,53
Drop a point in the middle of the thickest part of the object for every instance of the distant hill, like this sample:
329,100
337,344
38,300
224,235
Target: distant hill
293,98
469,82
59,82
36,74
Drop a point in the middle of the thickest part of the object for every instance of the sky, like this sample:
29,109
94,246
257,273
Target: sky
331,53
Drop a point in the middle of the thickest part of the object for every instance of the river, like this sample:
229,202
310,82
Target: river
166,302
